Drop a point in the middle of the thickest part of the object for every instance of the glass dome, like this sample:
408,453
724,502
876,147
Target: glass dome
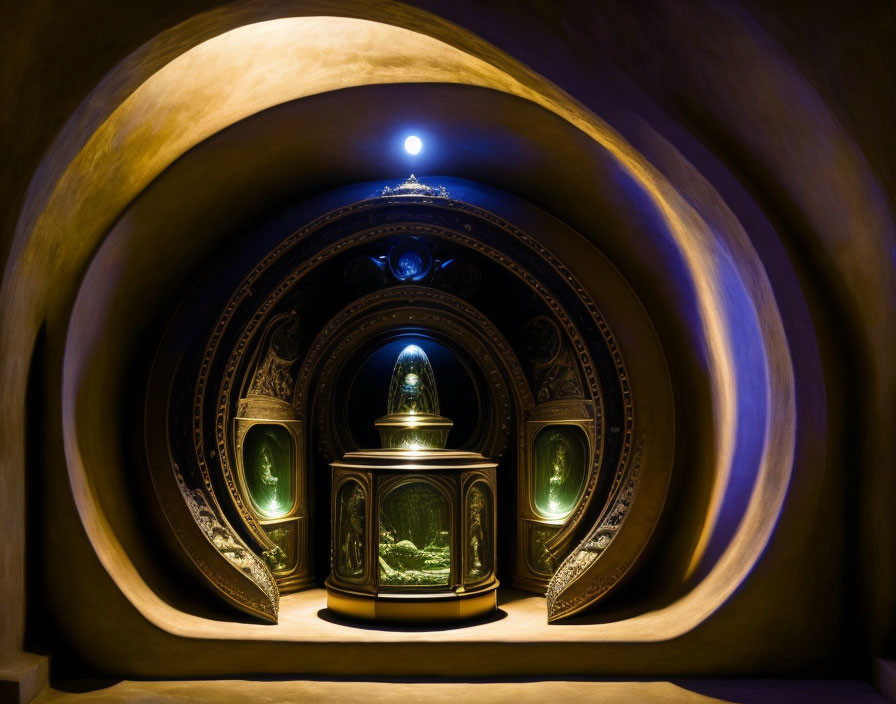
412,420
413,387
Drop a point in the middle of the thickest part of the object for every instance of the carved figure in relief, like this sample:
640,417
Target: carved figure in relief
267,476
275,558
559,472
352,549
542,560
273,378
560,379
477,532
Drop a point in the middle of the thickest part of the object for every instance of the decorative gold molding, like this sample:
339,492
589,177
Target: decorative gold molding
299,575
581,414
224,539
451,473
460,235
216,551
569,592
435,311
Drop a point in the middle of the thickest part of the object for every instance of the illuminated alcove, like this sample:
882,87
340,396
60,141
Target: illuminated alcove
365,190
721,332
473,313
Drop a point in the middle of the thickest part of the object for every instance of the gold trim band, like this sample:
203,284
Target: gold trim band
460,607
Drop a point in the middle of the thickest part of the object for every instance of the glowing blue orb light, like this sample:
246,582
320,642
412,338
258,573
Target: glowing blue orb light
410,260
410,264
413,145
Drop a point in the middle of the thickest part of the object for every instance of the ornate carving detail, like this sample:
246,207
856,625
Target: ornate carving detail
542,561
589,551
574,410
272,378
555,368
227,542
275,557
351,517
477,505
281,557
559,380
412,187
269,394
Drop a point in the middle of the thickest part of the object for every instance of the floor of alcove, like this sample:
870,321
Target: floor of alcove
518,692
304,617
305,613
475,662
522,616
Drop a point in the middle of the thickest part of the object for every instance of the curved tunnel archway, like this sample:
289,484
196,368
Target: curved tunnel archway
737,325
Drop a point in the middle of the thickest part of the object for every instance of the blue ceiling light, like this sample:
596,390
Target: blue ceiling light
413,145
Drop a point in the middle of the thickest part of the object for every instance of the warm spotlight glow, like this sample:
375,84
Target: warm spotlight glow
413,145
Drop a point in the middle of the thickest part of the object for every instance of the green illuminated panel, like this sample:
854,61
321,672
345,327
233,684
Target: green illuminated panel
348,548
415,545
479,510
268,464
560,466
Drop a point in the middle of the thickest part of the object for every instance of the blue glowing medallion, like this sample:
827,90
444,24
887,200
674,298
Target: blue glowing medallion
410,260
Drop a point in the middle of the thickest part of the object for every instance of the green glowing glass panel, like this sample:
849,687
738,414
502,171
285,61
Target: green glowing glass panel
415,545
268,465
348,551
413,386
560,467
479,526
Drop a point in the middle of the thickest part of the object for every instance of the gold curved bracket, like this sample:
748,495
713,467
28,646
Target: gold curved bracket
606,556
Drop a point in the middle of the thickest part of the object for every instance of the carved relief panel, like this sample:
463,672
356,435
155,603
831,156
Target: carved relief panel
271,482
561,457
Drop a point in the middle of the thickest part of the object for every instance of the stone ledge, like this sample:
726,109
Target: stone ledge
23,678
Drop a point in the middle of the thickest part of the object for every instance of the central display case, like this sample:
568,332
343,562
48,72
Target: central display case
413,524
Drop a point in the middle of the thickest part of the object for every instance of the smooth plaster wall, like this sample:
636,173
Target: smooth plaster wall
199,92
858,278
